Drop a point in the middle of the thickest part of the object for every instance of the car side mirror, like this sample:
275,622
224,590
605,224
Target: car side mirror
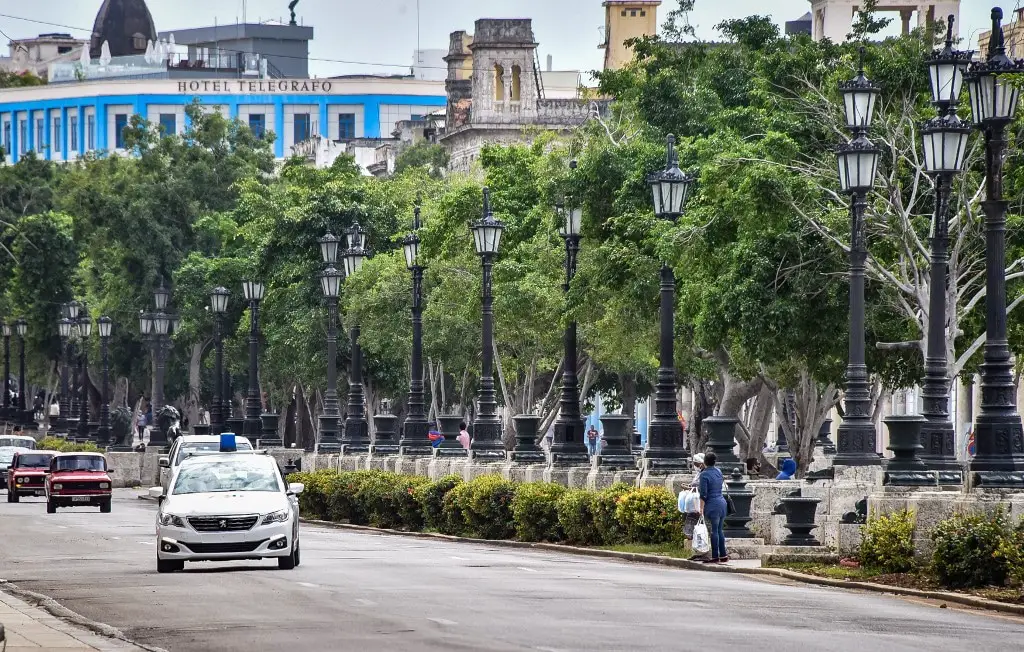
296,488
165,462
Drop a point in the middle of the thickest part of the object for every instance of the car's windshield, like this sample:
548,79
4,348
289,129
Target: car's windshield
219,475
81,463
34,461
6,455
206,447
18,442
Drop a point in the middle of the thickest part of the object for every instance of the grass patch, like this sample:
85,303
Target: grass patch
663,549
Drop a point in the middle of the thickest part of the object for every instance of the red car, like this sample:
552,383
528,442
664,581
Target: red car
27,474
78,479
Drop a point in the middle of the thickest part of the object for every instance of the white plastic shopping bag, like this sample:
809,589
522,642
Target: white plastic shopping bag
701,538
689,501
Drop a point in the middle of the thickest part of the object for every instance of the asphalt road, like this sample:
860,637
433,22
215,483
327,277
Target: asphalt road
366,592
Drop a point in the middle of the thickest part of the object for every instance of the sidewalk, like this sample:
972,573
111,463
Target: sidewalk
32,629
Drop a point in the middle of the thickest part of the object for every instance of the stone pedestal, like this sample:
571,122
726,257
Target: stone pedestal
736,524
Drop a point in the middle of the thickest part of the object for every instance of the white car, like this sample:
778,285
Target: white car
227,507
194,445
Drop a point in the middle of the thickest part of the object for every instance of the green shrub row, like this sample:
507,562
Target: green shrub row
969,550
64,446
490,507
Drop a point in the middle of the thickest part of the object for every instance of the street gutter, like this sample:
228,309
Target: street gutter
643,558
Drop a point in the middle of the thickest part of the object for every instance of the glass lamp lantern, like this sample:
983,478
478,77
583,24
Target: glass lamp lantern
106,326
994,93
145,322
330,282
671,186
219,300
329,248
944,142
253,290
356,237
160,297
487,230
7,329
858,164
161,323
946,69
85,327
21,326
64,327
72,310
859,97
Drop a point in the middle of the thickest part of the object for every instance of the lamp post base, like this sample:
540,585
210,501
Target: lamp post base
567,446
857,445
999,462
330,435
487,445
414,442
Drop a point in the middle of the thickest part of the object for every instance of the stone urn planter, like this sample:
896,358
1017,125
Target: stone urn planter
906,468
385,439
616,452
800,512
824,441
450,429
722,440
736,525
526,450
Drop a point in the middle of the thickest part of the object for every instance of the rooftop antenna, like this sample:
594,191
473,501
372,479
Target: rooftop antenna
291,8
244,3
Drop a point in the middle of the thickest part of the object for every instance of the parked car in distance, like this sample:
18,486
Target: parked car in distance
187,445
7,454
225,507
27,474
78,479
17,441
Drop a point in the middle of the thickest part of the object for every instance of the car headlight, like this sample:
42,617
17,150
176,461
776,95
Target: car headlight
58,487
104,485
171,519
21,480
276,517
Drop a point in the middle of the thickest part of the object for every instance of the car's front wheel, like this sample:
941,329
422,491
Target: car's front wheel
12,496
291,561
105,506
51,507
169,565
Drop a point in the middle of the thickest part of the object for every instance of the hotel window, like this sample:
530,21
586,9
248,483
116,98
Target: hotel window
56,137
90,132
346,126
258,124
301,127
22,136
40,135
7,137
168,124
120,123
73,132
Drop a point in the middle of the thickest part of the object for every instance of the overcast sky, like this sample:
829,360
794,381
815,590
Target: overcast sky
352,34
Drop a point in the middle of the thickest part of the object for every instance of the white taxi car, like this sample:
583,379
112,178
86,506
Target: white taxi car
227,507
188,445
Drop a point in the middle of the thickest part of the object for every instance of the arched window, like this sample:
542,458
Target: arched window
499,83
516,73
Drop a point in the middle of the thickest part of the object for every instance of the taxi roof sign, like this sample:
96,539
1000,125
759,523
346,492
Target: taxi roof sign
227,442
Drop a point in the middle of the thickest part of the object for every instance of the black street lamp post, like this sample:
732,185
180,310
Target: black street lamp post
999,437
356,437
7,370
415,440
218,306
64,327
945,152
858,163
330,283
254,292
84,331
156,327
106,326
487,442
665,449
21,326
71,310
567,445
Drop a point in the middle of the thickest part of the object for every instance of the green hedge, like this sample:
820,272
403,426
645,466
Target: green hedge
490,507
62,445
887,544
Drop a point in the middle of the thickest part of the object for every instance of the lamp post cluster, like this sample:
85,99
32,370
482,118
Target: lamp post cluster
253,292
858,163
999,437
16,411
157,327
356,437
330,283
414,440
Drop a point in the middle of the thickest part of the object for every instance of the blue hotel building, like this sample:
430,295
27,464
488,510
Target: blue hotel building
63,121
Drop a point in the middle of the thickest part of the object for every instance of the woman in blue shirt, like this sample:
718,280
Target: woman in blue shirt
713,506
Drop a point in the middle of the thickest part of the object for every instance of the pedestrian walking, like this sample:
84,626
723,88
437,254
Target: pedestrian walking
788,469
713,507
593,437
463,435
689,504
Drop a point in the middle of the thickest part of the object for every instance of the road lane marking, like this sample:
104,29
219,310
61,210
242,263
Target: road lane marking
528,570
366,603
147,543
63,527
308,585
442,621
459,558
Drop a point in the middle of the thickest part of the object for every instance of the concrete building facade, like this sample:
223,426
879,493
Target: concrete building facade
624,20
832,19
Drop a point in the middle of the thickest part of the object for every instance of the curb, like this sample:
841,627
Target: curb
58,610
643,558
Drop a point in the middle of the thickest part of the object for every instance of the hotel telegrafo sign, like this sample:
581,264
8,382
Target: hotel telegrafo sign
254,86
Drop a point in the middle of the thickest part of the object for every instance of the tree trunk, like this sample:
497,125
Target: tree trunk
303,432
702,407
628,384
813,405
759,417
194,382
